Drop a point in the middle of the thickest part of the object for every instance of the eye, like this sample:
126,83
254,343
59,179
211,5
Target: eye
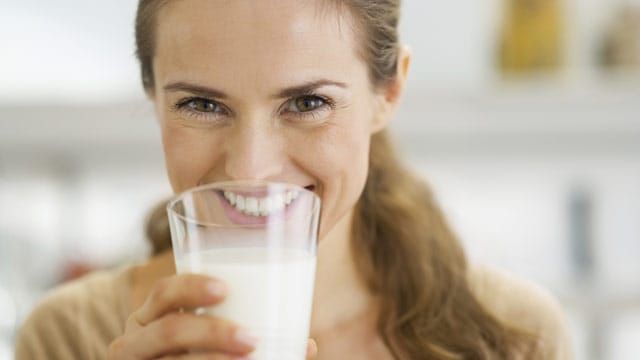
201,110
201,105
306,103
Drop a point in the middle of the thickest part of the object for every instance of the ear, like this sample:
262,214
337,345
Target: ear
389,97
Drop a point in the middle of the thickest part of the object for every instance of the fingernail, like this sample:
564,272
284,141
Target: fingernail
216,288
246,337
311,348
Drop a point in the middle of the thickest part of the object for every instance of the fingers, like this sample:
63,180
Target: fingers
159,329
178,331
181,291
312,349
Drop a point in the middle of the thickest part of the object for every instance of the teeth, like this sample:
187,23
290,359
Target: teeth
278,202
231,197
264,206
290,196
260,206
251,205
239,202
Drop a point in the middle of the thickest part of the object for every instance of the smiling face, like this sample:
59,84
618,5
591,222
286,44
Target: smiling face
259,90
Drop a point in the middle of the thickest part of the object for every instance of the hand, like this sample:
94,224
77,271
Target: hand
162,329
312,350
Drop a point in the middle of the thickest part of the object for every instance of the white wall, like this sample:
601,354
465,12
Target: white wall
71,51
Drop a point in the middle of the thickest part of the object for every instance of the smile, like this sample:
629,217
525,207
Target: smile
260,206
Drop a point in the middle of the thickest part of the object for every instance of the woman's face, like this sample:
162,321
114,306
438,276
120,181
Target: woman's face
266,90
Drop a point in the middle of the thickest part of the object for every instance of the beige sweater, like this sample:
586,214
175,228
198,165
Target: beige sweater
79,320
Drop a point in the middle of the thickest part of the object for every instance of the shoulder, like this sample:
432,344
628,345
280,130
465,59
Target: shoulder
75,320
522,304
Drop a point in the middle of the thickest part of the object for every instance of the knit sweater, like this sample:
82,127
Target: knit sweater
80,319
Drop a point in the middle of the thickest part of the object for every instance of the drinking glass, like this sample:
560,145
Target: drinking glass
261,239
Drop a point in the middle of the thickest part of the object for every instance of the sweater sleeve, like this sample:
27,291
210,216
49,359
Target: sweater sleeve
76,321
522,304
50,331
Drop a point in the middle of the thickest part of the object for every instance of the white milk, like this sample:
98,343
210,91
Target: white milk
270,293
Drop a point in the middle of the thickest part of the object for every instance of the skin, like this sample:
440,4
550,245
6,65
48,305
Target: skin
272,91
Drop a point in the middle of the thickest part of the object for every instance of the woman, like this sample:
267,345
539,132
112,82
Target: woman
298,92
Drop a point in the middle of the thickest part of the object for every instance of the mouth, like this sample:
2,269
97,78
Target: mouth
262,205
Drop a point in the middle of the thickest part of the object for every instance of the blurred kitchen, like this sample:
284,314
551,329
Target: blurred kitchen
524,115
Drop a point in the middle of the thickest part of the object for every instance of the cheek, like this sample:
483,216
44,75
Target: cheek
188,156
340,163
334,151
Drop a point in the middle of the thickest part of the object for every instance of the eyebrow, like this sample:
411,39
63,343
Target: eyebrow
196,89
307,88
209,92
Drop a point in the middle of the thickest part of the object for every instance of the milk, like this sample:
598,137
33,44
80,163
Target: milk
270,293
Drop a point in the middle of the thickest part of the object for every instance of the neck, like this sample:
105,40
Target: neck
340,296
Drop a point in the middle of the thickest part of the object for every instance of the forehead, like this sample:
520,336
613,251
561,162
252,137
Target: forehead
261,41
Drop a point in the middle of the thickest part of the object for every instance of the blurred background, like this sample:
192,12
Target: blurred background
524,115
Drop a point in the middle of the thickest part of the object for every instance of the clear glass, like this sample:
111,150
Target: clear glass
261,239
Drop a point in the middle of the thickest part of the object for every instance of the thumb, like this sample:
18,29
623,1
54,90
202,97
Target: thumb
312,349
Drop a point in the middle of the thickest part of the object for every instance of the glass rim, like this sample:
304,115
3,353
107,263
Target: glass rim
178,197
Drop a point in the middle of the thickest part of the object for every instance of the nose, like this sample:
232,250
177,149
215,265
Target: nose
253,152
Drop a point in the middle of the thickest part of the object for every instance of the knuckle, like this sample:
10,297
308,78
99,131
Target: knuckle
189,282
114,350
169,330
219,331
194,282
160,288
161,293
131,323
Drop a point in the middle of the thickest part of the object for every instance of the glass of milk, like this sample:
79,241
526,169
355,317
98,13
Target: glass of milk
260,238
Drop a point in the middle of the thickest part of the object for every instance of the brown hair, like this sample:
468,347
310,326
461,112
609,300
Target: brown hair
415,262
